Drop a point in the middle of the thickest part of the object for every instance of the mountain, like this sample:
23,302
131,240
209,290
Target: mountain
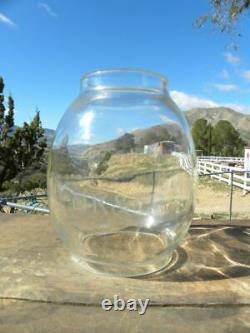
239,120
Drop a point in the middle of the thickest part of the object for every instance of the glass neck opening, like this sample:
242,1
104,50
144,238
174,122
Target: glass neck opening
123,79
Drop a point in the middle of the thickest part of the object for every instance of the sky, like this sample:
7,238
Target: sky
46,46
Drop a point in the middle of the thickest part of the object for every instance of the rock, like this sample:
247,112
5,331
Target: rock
6,209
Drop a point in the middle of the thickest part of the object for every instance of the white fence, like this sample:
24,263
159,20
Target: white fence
222,159
235,175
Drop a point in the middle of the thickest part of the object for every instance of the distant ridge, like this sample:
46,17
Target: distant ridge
239,120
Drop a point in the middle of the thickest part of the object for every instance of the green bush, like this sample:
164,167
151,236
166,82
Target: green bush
11,186
26,182
103,165
36,180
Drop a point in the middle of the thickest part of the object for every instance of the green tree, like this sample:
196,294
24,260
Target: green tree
103,164
7,165
158,134
2,108
202,133
163,134
21,148
149,138
125,143
227,140
29,143
9,118
37,140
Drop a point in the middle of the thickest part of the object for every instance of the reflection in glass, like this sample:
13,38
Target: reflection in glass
121,174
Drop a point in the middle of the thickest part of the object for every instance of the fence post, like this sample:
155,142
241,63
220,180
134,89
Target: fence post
153,190
231,195
229,178
220,175
212,170
245,183
202,167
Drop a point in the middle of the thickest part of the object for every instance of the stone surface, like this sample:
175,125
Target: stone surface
25,317
43,290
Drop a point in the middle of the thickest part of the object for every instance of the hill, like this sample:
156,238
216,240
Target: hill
239,120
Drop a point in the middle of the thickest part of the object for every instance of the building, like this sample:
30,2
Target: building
161,147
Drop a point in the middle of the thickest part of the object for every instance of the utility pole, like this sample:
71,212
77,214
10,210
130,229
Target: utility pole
209,138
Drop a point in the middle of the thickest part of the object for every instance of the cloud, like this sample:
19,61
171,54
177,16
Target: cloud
6,20
231,59
86,124
246,75
185,101
224,74
225,87
120,131
44,6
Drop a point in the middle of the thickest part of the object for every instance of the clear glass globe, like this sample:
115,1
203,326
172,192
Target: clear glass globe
121,174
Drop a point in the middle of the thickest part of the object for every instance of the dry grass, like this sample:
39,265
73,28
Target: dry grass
213,198
127,164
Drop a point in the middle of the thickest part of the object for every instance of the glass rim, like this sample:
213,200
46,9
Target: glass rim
142,74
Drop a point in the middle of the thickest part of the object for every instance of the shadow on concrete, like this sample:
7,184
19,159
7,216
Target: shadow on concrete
208,253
